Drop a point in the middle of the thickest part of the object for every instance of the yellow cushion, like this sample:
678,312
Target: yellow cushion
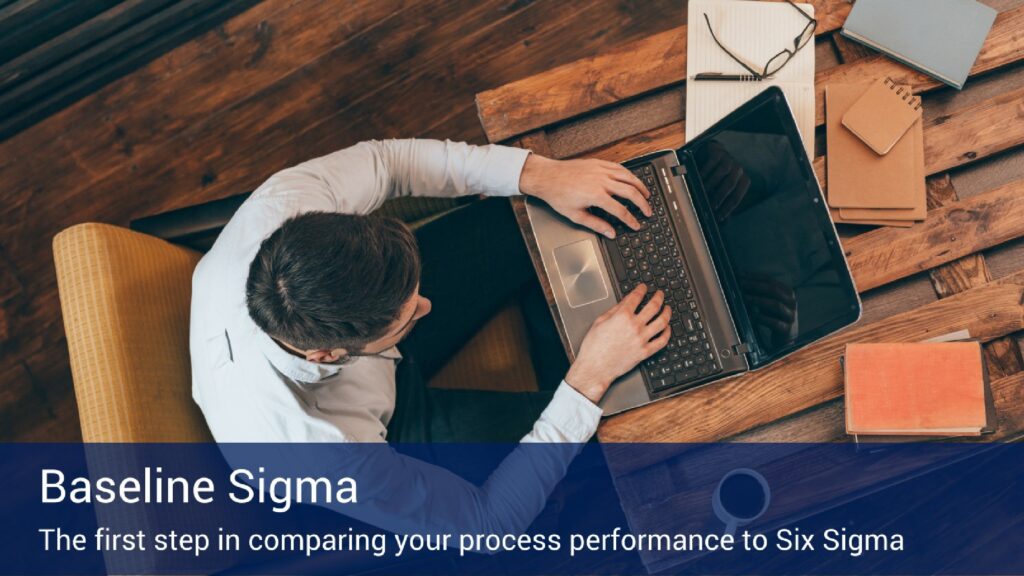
125,300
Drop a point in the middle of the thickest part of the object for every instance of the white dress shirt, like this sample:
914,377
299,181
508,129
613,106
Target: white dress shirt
251,390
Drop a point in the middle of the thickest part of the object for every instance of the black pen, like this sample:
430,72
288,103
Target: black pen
727,77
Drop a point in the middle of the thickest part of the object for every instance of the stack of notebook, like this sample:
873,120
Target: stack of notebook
923,389
875,159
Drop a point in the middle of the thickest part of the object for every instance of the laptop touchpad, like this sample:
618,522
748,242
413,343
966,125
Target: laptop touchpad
579,269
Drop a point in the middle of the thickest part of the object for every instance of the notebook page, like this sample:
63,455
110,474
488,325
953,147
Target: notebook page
755,31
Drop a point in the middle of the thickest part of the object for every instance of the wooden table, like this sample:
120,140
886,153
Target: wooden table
930,279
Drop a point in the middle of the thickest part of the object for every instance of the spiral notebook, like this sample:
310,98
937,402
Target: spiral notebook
879,119
875,159
755,31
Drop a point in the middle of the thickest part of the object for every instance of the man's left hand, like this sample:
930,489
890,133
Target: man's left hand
573,187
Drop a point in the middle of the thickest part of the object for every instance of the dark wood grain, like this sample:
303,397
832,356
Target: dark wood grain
278,84
953,231
136,115
46,53
1003,355
849,50
970,270
46,82
26,23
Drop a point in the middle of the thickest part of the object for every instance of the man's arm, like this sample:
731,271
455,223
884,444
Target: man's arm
360,178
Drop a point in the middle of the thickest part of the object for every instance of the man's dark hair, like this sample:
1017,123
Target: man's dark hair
325,280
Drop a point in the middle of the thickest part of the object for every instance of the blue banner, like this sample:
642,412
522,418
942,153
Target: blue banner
892,508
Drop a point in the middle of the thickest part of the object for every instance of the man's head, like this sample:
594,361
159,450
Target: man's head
328,285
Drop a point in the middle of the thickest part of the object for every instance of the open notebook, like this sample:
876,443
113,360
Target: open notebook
755,31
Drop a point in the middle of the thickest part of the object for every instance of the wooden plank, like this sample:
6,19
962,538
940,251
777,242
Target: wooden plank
592,83
1007,394
90,202
849,50
825,422
108,59
884,255
809,377
198,166
1002,356
223,112
970,270
670,136
991,126
490,61
140,113
28,22
581,87
45,54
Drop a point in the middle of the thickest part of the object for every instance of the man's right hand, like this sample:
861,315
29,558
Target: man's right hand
620,339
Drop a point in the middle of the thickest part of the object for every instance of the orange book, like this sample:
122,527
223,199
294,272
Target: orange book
925,389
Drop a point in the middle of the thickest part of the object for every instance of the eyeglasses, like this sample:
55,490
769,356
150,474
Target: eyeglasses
775,63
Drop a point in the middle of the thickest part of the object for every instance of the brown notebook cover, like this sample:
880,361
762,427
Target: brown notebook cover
883,115
905,216
925,389
859,178
837,217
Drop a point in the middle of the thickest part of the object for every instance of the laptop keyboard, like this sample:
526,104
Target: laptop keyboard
652,255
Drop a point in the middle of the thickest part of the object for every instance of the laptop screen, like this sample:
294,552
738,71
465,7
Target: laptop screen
784,264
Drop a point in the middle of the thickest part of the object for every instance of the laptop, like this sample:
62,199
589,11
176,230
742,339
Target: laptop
740,241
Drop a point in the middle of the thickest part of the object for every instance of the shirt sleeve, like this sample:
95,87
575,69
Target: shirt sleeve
570,417
360,178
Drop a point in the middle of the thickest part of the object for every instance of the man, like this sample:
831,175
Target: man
299,306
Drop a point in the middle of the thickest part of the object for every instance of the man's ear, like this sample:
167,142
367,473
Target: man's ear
325,356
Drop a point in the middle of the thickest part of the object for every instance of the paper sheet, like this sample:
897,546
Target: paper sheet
755,31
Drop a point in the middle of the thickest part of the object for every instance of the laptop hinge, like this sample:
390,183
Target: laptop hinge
678,170
741,348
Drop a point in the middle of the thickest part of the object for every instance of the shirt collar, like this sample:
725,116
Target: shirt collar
302,370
